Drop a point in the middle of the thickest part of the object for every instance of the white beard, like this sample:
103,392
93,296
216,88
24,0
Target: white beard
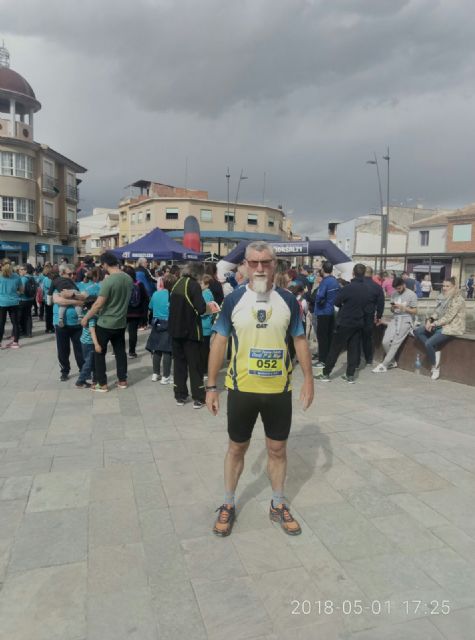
259,285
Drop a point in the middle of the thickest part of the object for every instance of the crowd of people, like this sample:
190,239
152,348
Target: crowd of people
86,306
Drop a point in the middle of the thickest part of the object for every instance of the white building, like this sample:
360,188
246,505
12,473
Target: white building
99,231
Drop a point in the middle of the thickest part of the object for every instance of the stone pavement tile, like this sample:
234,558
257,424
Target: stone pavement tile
231,608
451,571
116,568
411,475
457,539
329,629
181,483
127,615
345,532
127,452
382,576
165,560
84,461
407,533
413,630
177,611
380,481
33,437
212,558
101,432
113,522
282,593
373,450
170,450
16,488
162,433
326,572
154,523
339,476
250,516
453,504
105,403
195,520
11,514
59,490
113,483
44,604
253,549
25,454
13,430
149,495
50,538
311,492
143,473
370,502
215,444
458,625
418,510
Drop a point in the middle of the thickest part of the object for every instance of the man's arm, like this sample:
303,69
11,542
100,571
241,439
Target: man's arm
93,311
305,361
216,357
97,346
68,302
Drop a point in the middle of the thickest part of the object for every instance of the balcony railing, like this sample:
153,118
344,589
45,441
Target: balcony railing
72,193
51,224
73,229
50,185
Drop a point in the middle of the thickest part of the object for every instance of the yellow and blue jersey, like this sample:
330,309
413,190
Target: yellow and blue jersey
260,326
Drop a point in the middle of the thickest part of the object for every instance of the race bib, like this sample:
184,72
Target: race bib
267,363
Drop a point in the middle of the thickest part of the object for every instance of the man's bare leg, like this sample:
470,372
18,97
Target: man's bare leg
233,467
277,471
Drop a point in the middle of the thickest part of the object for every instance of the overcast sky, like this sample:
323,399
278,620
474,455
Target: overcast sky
303,91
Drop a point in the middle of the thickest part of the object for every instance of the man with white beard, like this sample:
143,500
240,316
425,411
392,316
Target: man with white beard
261,321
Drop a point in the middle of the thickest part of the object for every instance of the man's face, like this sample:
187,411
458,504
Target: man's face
261,270
401,288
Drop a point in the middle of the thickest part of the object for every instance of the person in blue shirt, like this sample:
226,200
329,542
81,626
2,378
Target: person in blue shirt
10,290
325,310
48,307
71,332
89,345
28,283
159,342
207,320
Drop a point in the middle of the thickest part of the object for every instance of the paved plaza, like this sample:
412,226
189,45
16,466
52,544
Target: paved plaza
107,503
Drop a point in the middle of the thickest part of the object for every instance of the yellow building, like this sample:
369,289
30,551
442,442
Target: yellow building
38,186
222,227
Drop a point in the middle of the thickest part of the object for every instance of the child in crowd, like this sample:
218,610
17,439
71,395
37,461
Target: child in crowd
159,342
89,345
67,288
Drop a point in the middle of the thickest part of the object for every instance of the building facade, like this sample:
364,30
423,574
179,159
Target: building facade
38,186
99,231
222,226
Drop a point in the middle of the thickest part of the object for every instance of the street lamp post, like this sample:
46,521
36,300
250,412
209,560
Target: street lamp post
228,175
241,178
387,157
381,206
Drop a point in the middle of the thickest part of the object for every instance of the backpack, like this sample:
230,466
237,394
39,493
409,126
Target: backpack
135,297
30,288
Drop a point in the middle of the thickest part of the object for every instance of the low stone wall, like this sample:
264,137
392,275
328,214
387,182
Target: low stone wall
457,357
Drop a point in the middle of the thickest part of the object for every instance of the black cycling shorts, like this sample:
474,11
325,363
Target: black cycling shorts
244,408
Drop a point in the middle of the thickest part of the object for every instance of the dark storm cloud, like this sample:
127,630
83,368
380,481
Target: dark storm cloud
207,56
302,90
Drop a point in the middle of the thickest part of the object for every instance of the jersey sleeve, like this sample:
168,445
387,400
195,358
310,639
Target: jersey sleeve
105,287
223,324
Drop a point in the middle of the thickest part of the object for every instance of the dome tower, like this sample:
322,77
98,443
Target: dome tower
18,102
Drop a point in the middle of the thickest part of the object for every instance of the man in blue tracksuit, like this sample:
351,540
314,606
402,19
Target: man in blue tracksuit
325,310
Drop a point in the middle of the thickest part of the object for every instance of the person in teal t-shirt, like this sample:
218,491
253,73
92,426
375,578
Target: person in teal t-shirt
10,290
207,321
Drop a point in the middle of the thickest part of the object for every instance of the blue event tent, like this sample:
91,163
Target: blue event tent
156,245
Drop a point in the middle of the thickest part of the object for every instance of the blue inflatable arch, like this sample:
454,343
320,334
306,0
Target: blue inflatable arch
325,248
